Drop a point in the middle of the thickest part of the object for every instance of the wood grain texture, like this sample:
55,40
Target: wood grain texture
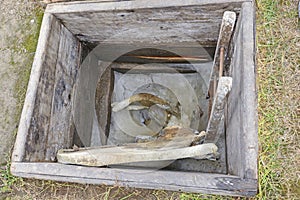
142,178
36,71
61,125
129,52
143,22
99,5
241,123
34,123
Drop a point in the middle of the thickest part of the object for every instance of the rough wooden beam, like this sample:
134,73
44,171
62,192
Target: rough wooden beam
217,112
34,123
208,183
242,123
61,126
92,6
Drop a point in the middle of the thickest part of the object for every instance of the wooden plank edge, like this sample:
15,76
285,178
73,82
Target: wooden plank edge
24,124
110,176
128,5
65,69
250,128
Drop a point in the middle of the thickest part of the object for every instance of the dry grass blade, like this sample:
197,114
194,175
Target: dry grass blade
278,41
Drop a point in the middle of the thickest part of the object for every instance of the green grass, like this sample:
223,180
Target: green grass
278,62
28,45
7,180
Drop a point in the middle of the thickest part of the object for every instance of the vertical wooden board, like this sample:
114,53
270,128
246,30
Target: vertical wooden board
60,131
234,117
47,29
241,131
39,120
249,106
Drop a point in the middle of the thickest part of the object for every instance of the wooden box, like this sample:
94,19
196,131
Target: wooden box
47,125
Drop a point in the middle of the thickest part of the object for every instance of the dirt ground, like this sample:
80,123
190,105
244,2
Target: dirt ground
278,40
14,27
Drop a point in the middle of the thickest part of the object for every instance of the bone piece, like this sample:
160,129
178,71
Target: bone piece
103,156
145,99
172,144
217,112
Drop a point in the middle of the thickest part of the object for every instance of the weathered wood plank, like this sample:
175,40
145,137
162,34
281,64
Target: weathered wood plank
129,52
94,6
34,122
19,148
250,122
225,33
217,112
39,127
241,123
60,130
141,178
144,22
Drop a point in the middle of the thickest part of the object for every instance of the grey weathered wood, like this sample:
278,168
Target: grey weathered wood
19,148
39,127
34,122
241,123
226,30
98,5
76,1
142,178
129,52
61,128
144,22
217,112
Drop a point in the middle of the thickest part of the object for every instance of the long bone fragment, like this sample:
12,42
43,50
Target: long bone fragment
173,144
